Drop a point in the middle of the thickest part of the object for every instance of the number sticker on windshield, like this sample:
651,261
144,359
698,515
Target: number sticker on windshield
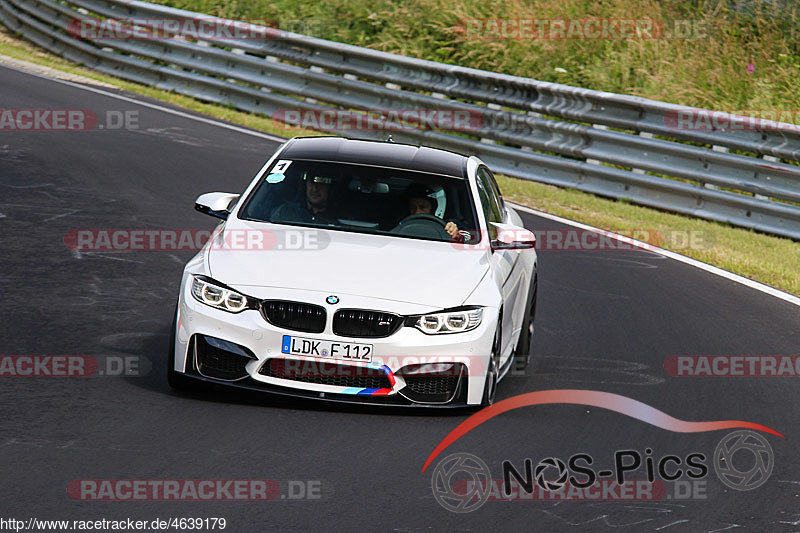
281,167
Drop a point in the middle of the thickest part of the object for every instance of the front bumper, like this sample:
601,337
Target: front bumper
247,349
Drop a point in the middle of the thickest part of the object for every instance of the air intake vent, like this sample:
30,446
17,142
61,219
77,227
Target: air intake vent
220,359
326,373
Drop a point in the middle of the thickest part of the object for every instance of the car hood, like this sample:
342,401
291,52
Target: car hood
434,274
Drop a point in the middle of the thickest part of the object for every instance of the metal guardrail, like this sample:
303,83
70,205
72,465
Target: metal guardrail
529,129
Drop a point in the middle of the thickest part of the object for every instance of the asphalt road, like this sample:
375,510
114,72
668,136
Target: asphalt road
607,321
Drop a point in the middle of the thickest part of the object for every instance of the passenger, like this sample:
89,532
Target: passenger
313,209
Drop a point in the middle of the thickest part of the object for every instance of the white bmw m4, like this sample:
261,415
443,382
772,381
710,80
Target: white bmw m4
359,271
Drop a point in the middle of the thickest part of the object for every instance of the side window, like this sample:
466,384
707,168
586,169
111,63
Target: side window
496,190
491,203
490,198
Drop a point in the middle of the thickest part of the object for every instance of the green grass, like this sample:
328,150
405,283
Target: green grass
771,260
765,258
709,70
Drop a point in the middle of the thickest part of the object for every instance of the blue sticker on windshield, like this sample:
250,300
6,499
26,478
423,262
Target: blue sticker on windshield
275,178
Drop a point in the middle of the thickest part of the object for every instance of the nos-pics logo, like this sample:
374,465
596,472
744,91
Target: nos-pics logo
462,482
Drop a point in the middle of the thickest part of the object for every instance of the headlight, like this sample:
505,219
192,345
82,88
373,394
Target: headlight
205,291
450,322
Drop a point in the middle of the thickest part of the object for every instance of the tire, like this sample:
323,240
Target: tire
523,348
490,385
176,380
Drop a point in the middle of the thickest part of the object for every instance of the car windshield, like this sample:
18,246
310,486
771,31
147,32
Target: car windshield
364,199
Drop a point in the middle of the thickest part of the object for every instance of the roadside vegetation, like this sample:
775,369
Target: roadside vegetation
717,54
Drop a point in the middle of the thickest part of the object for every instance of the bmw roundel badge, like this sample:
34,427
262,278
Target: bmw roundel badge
333,300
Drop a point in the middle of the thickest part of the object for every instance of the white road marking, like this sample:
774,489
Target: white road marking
105,255
154,106
772,291
671,524
730,526
50,72
72,212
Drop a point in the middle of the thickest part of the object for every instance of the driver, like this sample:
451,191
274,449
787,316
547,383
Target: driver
314,208
421,203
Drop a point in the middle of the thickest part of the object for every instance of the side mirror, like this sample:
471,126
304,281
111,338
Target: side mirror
216,204
511,237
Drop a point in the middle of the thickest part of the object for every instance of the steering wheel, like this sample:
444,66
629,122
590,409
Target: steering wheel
422,225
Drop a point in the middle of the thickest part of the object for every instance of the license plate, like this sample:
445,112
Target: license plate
320,348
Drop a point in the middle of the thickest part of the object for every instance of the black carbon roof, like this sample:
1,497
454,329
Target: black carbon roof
377,153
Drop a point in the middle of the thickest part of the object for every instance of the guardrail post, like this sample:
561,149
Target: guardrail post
646,135
599,127
716,148
771,159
